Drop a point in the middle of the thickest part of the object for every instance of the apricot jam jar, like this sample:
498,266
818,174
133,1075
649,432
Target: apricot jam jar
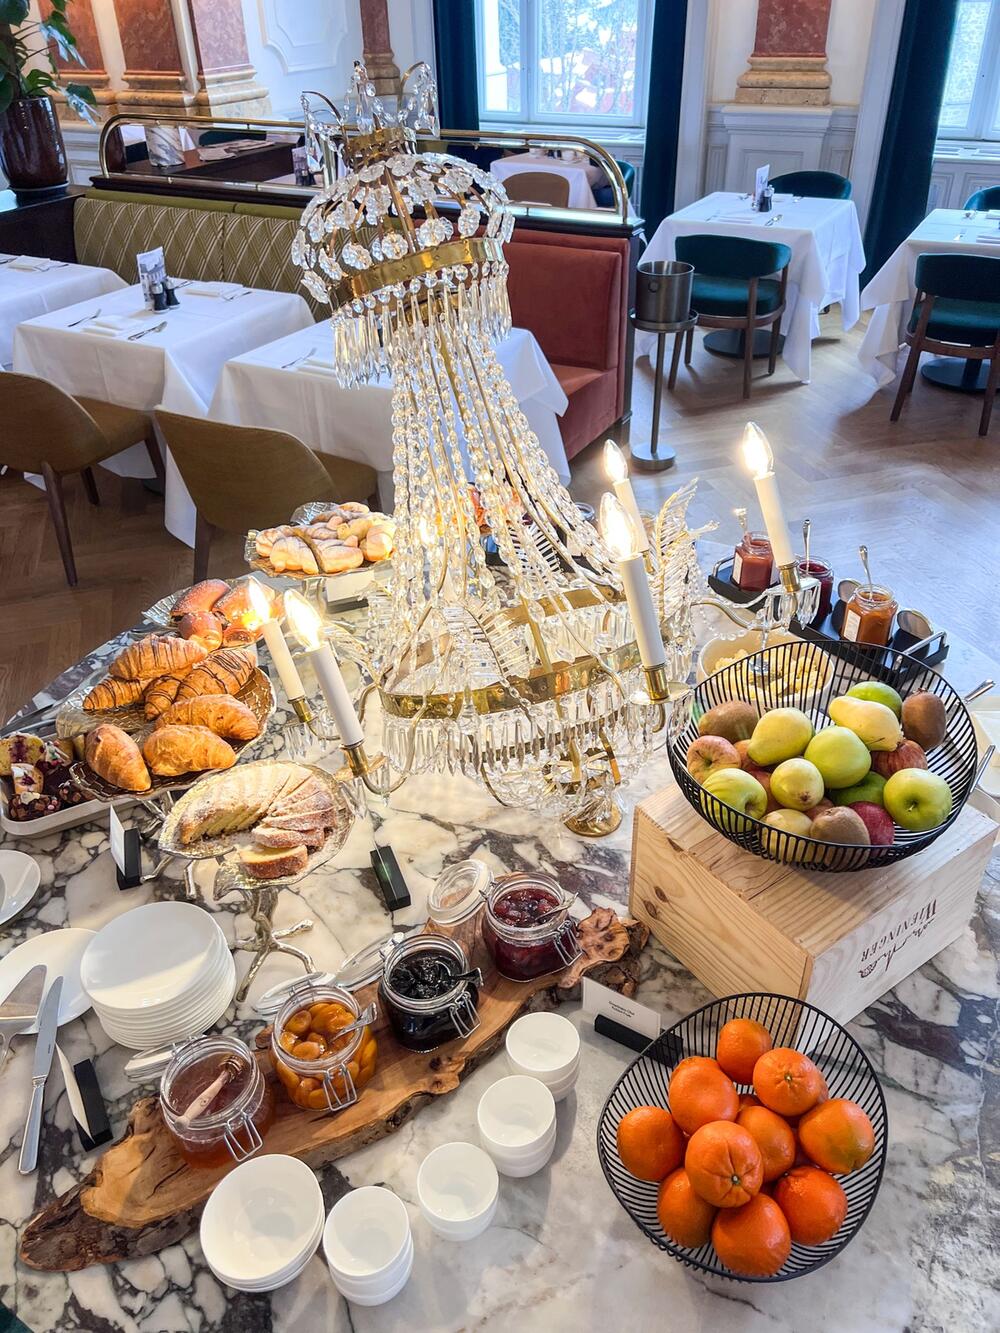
318,1068
869,614
231,1127
526,927
753,563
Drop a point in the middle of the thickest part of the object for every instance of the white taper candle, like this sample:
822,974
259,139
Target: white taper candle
759,459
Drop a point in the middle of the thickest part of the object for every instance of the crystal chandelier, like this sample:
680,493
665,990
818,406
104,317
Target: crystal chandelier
526,674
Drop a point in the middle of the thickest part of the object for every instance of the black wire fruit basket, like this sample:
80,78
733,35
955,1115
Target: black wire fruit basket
804,675
844,1065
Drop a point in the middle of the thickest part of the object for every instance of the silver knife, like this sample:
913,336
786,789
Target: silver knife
20,1009
45,1045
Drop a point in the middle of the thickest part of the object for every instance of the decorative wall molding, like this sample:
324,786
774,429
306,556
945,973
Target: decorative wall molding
955,178
742,138
301,40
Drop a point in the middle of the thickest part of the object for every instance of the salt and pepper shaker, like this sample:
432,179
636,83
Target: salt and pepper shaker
159,296
170,291
766,199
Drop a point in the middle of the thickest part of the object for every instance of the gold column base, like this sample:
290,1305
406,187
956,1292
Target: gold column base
301,709
791,579
590,824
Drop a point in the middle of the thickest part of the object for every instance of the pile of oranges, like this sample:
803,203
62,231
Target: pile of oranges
752,1172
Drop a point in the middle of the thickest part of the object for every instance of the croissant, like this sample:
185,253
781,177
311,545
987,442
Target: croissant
114,756
221,713
172,751
334,557
265,540
292,553
224,672
202,597
112,693
156,655
160,695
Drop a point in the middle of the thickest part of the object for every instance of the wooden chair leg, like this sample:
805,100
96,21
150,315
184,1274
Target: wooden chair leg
906,381
57,508
203,534
90,486
155,454
992,384
772,349
688,346
748,357
675,361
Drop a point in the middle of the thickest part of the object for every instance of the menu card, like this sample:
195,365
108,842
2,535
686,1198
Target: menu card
760,183
152,268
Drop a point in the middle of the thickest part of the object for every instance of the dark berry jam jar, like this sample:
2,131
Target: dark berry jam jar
418,991
526,927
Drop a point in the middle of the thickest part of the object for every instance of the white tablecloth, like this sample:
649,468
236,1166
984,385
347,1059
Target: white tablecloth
254,390
827,258
891,291
177,369
24,294
582,176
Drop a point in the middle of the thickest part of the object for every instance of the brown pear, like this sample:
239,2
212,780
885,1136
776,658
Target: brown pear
734,721
832,826
924,719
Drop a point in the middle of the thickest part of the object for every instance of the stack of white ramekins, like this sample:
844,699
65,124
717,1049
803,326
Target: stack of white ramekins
517,1124
368,1245
547,1047
458,1190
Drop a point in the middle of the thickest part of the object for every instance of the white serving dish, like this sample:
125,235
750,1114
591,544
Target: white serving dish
378,1295
716,650
519,1166
545,1046
457,1190
366,1235
70,817
20,878
516,1119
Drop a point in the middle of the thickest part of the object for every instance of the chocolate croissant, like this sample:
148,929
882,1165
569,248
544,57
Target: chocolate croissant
173,750
113,693
160,694
224,672
156,655
221,713
115,757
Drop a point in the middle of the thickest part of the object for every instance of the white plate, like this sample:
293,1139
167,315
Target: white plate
62,952
20,877
150,956
180,1029
148,1015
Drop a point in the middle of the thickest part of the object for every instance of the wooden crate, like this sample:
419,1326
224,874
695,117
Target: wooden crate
741,923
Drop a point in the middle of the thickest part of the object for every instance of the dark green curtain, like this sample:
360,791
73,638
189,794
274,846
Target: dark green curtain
455,44
663,112
899,199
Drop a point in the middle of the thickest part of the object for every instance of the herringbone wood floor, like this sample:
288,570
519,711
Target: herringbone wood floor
923,495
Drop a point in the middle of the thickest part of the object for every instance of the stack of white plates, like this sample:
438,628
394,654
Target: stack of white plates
368,1245
263,1223
159,974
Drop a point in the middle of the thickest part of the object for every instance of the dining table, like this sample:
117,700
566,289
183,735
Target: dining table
583,176
31,285
891,292
118,350
827,260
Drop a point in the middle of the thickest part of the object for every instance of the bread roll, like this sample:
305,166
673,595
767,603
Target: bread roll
202,597
114,756
203,626
174,750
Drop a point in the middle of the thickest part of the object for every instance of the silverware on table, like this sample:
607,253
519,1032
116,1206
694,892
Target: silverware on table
155,328
983,687
45,1045
20,1009
771,221
236,295
304,357
84,319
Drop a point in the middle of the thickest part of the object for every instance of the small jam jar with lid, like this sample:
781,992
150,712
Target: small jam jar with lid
459,894
822,571
753,563
527,929
320,1070
231,1125
869,614
418,991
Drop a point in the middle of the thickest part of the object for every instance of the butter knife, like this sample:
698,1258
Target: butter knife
45,1045
20,1008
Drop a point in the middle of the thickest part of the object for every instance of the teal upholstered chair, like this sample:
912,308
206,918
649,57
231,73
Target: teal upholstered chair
983,200
814,184
956,313
735,288
604,195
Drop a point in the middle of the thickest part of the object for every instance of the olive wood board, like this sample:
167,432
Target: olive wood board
141,1195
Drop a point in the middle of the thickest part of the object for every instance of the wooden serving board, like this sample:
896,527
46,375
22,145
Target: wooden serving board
142,1196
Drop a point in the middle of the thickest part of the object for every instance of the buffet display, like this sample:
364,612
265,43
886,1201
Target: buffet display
335,539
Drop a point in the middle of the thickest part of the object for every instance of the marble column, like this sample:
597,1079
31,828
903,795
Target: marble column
93,71
788,62
376,41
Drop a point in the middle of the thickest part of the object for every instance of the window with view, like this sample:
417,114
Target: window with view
970,108
563,61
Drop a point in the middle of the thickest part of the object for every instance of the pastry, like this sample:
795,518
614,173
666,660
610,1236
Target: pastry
114,756
264,540
265,836
221,713
236,801
202,597
20,748
112,693
236,605
27,779
274,863
292,553
57,752
377,545
225,672
174,750
238,636
156,655
204,626
334,557
160,694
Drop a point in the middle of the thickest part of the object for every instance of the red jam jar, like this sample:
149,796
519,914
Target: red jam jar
822,571
232,1126
520,945
753,563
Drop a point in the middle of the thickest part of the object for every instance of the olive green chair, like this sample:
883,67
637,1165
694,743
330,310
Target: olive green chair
812,184
956,312
735,287
983,200
43,429
604,195
243,477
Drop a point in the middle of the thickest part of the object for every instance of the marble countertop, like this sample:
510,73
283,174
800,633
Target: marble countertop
561,1255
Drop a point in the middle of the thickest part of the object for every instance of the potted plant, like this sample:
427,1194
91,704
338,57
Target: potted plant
32,154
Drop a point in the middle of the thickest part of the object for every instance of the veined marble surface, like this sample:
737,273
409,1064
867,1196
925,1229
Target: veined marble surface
561,1256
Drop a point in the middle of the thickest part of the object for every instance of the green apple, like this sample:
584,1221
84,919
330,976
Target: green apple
780,734
877,693
739,789
797,784
840,756
868,789
787,821
917,799
876,725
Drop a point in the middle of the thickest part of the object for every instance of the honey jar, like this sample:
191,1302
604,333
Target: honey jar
869,614
230,1125
319,1069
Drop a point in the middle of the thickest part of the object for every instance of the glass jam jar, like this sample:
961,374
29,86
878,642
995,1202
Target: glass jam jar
458,895
425,1006
753,563
822,571
320,1070
869,614
231,1127
521,946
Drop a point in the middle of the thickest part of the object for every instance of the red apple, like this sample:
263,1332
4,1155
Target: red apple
741,750
907,754
708,754
877,821
763,776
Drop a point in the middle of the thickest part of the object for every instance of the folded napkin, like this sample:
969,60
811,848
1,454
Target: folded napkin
989,237
29,264
317,365
109,326
754,219
212,288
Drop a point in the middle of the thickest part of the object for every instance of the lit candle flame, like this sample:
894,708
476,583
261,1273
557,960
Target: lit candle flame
617,527
756,451
614,462
260,607
303,619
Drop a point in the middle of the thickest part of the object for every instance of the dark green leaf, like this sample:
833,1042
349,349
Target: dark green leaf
8,91
78,102
37,81
13,12
83,91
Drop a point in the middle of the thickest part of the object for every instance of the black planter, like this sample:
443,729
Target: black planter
32,153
